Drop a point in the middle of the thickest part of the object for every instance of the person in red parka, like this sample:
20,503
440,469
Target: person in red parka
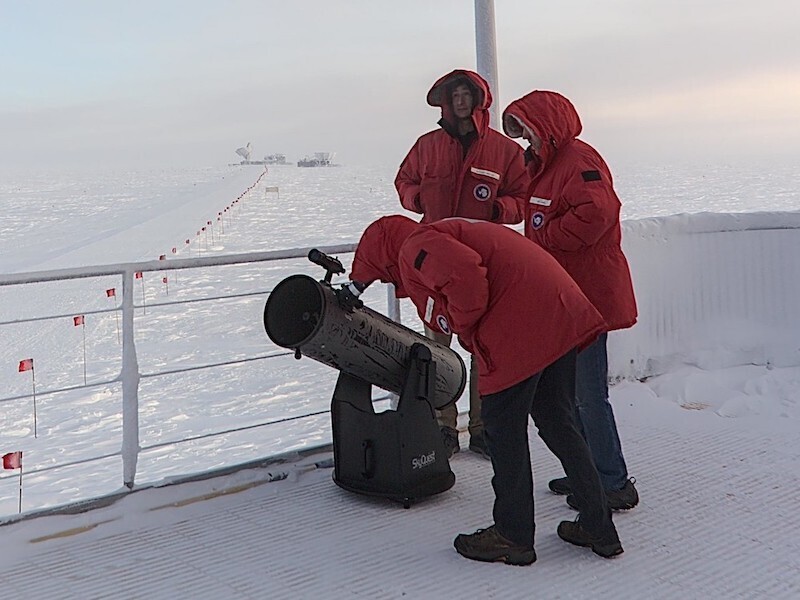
463,169
573,213
521,316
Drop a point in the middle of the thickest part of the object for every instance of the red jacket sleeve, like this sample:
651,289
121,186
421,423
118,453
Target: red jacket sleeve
408,180
592,209
512,197
452,271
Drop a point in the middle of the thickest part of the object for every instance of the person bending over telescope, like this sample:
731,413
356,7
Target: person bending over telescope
520,314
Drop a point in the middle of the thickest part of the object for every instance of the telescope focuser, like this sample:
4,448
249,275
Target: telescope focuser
348,295
332,265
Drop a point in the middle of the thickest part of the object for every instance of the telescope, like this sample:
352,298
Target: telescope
396,454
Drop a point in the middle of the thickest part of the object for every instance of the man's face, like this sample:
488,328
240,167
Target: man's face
462,101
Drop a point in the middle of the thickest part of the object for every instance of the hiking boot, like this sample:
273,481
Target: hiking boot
625,498
560,486
450,440
477,443
622,499
489,546
607,546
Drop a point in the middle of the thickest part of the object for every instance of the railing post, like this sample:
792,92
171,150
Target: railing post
393,311
130,385
393,304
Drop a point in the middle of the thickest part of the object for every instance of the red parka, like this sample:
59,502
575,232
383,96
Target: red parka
511,304
573,210
438,181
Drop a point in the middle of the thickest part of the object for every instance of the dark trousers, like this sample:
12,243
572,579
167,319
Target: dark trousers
548,397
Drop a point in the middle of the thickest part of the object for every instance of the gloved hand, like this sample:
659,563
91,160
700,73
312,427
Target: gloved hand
348,294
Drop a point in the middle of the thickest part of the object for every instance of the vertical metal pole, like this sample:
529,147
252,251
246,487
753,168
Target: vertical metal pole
393,311
83,327
486,49
33,383
130,385
393,304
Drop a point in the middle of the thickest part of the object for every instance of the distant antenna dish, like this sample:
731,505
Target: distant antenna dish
244,151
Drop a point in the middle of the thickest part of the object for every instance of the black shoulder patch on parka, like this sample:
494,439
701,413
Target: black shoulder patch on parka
591,175
420,258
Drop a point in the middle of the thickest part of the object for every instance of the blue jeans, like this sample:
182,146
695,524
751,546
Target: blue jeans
595,417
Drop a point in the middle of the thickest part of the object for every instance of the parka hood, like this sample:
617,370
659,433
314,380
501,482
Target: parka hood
439,95
549,115
378,251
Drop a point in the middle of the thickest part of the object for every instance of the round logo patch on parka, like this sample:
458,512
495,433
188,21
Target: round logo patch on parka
482,192
441,321
537,219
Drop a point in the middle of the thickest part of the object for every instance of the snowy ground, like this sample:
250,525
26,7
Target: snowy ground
716,521
67,220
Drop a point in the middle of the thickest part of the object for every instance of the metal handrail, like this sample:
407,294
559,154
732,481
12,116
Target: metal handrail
129,375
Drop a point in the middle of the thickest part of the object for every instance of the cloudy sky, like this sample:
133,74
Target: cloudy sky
178,82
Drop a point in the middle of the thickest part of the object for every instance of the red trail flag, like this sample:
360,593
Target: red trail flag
27,365
78,320
12,460
111,292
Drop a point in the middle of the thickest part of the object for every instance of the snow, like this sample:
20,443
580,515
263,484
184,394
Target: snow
714,290
698,357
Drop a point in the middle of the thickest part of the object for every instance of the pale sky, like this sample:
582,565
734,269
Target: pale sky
184,83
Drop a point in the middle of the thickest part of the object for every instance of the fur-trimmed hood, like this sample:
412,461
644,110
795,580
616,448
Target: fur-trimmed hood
550,116
439,95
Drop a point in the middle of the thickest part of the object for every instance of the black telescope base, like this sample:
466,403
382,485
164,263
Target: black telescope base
396,454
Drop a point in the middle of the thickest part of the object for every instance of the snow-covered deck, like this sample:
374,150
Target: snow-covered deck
718,519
